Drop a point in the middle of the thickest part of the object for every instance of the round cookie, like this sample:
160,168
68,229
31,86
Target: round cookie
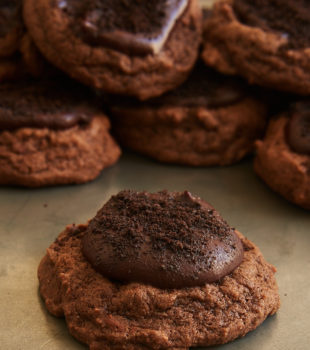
265,41
210,120
108,314
52,133
97,42
283,157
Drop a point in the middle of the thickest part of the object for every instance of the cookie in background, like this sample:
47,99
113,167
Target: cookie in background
283,157
267,42
210,120
143,54
52,132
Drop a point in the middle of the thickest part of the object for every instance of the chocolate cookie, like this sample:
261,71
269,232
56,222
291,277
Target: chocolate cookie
51,133
157,271
283,157
124,47
266,41
210,120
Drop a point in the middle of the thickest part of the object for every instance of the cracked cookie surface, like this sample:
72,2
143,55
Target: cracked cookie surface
112,315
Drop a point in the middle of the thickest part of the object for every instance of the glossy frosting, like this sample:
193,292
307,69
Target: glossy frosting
168,240
136,27
55,105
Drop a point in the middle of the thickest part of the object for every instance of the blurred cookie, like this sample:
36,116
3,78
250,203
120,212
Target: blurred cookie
105,277
210,120
266,41
51,133
283,157
11,33
123,47
19,57
11,26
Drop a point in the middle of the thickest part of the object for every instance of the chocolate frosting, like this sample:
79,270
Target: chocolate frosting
289,18
204,88
10,16
135,27
40,104
168,240
298,127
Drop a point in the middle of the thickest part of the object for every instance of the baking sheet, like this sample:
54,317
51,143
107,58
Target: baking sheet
31,219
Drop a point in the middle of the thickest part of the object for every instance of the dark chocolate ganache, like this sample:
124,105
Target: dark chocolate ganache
204,88
10,16
167,240
289,18
130,26
44,104
298,127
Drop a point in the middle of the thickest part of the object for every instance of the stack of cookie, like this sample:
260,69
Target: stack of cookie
164,101
149,271
52,130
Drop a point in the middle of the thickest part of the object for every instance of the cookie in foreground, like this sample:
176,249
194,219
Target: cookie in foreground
52,133
283,157
211,119
97,42
265,41
157,271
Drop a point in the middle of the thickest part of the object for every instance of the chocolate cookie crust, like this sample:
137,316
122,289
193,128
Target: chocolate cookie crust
107,315
284,170
109,69
209,120
272,50
168,240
